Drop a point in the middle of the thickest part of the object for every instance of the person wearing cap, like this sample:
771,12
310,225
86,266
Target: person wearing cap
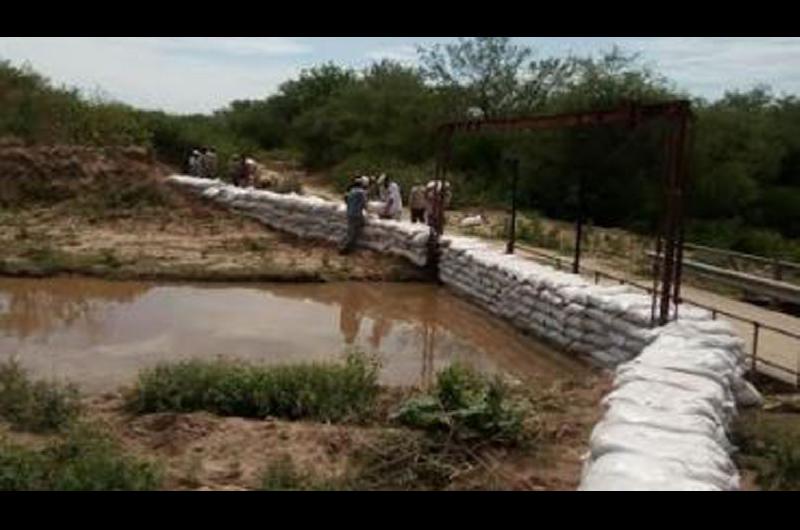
356,201
434,191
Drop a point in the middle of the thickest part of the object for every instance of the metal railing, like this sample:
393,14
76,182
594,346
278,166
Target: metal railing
778,266
757,326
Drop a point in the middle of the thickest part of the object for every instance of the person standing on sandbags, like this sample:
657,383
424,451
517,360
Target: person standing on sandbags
438,196
211,163
417,202
356,201
393,208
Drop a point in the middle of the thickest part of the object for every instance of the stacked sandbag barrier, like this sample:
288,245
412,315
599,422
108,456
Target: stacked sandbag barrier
608,324
668,416
313,217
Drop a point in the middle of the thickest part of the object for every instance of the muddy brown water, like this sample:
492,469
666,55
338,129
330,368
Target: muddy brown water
100,334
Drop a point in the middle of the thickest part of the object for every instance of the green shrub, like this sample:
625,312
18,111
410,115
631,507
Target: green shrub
36,406
782,468
322,391
466,405
84,460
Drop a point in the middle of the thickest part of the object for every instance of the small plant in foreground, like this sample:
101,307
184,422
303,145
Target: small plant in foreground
321,391
84,460
780,469
36,406
283,475
467,406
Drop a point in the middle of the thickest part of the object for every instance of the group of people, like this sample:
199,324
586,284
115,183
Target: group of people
203,163
242,170
423,201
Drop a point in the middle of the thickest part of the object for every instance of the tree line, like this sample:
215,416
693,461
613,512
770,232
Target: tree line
745,158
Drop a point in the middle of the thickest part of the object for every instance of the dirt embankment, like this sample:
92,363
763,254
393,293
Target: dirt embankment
109,213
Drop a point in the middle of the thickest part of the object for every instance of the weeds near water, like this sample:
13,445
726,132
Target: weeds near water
466,406
321,391
84,460
35,406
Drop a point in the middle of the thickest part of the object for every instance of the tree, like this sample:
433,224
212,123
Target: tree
495,75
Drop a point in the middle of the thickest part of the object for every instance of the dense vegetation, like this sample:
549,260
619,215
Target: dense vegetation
321,391
745,159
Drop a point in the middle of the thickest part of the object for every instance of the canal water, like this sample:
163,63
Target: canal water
99,334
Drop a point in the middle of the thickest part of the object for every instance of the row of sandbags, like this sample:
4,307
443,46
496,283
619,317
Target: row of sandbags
609,324
667,418
313,217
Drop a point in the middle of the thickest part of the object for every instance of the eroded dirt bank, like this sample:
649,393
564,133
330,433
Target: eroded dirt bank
108,213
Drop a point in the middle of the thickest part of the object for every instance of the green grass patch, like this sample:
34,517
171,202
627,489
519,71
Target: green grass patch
769,445
35,406
322,391
83,460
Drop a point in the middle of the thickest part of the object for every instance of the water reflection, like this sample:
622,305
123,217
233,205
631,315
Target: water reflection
40,307
100,333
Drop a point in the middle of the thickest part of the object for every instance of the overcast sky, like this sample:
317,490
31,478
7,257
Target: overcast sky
200,74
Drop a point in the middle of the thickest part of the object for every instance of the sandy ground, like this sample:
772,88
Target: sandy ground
201,243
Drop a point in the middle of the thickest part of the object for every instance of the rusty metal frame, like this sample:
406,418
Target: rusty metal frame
666,275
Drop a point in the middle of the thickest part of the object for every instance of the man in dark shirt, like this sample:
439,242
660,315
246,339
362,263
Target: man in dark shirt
356,201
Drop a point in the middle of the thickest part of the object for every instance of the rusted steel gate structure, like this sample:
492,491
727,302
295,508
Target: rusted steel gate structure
669,242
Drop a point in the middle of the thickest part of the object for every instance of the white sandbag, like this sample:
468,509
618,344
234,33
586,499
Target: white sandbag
661,396
635,472
694,454
746,394
634,413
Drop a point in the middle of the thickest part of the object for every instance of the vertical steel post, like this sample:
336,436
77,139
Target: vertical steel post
576,261
755,346
512,236
684,153
673,195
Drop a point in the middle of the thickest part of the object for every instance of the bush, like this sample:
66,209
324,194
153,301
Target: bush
36,406
322,391
404,174
84,460
466,405
782,470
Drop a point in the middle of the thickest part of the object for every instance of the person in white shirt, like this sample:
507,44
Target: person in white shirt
393,208
194,163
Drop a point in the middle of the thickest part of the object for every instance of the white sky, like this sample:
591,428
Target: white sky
200,74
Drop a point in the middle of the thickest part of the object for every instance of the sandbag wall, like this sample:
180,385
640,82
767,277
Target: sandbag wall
312,217
668,416
608,324
676,388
